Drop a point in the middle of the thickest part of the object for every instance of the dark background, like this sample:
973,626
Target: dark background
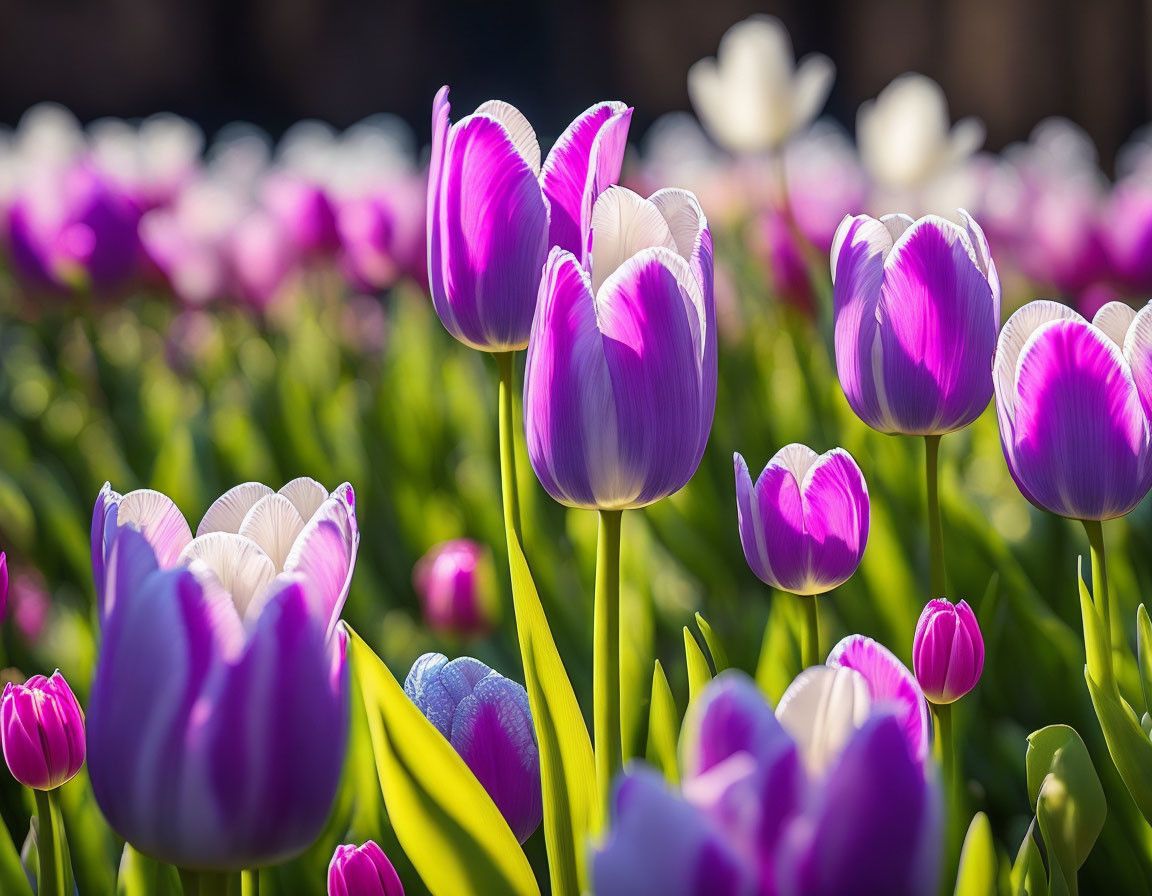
1012,62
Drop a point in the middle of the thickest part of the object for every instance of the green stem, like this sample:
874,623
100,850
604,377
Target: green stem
51,880
508,486
1100,595
935,529
606,656
206,883
947,752
810,642
250,883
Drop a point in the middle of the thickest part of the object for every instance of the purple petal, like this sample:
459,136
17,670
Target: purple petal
661,844
585,160
730,716
874,828
325,554
889,683
488,233
362,871
948,651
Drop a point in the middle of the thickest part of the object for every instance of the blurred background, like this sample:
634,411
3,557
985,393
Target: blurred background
272,62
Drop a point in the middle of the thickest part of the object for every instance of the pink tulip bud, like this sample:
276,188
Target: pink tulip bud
362,871
948,651
457,588
42,731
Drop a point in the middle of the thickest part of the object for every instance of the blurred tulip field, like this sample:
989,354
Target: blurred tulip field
186,314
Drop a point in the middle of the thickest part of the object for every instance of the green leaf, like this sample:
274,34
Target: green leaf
142,876
977,872
1069,801
12,877
779,659
719,655
445,821
567,772
1128,745
698,672
1028,875
1095,643
1144,653
663,727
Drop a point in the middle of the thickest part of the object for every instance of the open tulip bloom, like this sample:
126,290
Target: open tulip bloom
219,711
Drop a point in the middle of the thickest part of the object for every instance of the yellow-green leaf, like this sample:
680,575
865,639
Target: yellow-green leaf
719,655
779,659
1028,878
12,878
663,727
977,872
1128,745
448,826
1144,654
1095,642
142,876
698,673
567,773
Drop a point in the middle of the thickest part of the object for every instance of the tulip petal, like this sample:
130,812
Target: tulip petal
274,524
325,553
228,511
889,684
623,223
730,716
1114,319
306,495
238,562
1013,337
821,710
836,518
1138,353
518,128
159,519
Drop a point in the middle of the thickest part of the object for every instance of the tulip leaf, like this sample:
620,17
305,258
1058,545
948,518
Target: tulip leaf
1095,642
663,727
1069,800
567,772
779,659
1144,654
977,871
1028,877
1129,746
445,821
12,877
142,876
698,673
719,654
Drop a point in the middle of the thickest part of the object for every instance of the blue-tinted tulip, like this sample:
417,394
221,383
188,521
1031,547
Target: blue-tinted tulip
1074,400
494,210
485,716
620,381
917,309
804,523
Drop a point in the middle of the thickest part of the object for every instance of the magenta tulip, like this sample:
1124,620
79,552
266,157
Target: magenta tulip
42,731
457,588
362,871
948,651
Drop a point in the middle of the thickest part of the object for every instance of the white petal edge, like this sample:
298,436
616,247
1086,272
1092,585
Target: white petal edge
228,511
518,128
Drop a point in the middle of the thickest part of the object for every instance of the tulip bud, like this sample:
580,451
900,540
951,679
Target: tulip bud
917,310
362,871
457,588
948,651
42,731
486,718
804,523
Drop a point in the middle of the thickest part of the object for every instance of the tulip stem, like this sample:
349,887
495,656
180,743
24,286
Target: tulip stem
606,656
947,752
508,446
51,850
207,883
1100,596
250,883
935,529
810,642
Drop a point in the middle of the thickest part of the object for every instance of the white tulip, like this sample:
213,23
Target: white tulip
821,709
753,96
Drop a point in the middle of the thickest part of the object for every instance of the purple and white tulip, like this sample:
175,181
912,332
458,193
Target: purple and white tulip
494,209
362,871
1074,401
948,651
42,731
486,718
620,380
917,309
804,523
753,820
457,588
219,711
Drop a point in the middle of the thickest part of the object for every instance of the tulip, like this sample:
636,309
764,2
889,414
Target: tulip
917,306
493,211
261,258
228,752
1073,399
804,523
753,96
362,871
305,212
151,162
821,709
457,589
486,718
904,135
1128,233
42,731
620,381
948,651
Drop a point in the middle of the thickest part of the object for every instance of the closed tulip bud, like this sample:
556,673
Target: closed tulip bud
457,588
486,718
42,731
620,380
917,309
1073,399
804,523
753,96
494,209
362,871
948,651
